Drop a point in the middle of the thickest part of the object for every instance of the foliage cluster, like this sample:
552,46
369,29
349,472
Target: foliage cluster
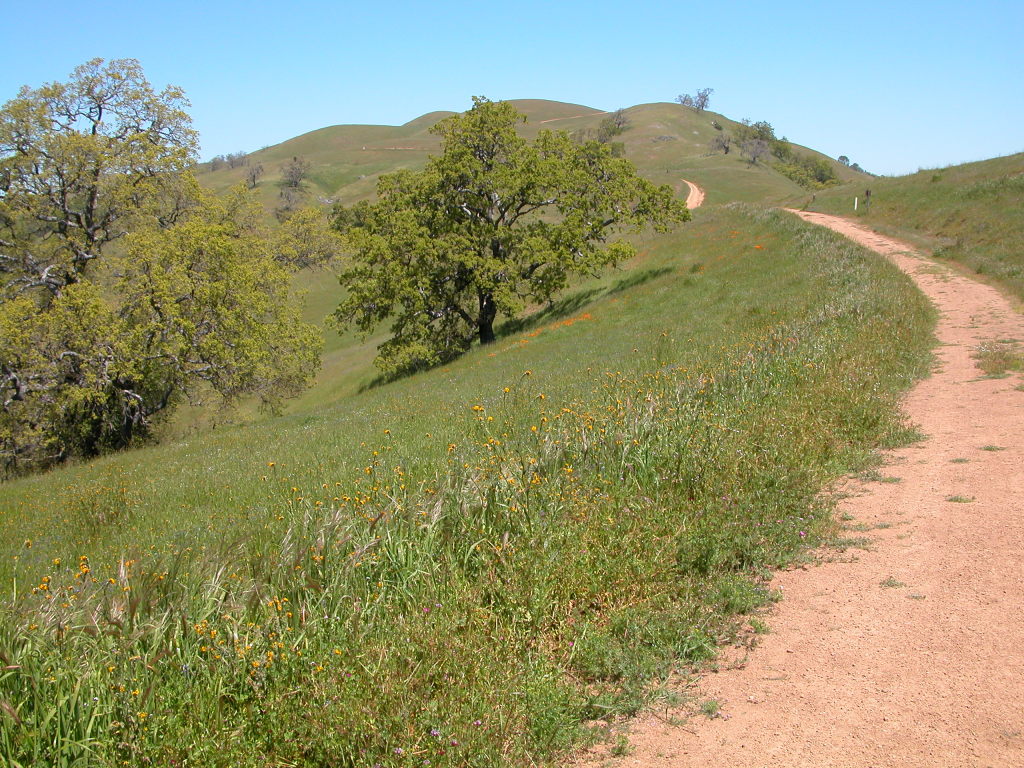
230,160
610,127
844,160
493,223
699,101
756,141
478,607
998,358
810,172
125,289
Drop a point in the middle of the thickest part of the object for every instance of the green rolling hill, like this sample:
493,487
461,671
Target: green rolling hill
471,564
665,141
970,214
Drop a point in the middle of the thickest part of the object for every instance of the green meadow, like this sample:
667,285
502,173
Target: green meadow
472,565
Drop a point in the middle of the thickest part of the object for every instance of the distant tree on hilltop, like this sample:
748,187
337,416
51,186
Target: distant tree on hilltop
703,97
699,102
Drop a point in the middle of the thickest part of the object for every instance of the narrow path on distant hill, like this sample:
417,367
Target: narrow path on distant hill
696,196
909,652
570,117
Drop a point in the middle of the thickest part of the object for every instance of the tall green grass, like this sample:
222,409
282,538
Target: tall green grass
971,213
465,567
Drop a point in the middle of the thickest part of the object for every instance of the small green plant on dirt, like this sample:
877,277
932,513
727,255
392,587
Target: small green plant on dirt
759,627
959,461
711,709
960,499
864,527
622,747
998,358
993,448
843,543
891,583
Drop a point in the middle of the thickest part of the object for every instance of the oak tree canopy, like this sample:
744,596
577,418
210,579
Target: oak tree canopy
124,288
493,223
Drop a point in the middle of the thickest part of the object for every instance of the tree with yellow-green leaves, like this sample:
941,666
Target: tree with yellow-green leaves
492,224
124,288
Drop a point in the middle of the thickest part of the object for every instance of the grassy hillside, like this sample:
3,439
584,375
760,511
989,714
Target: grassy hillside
972,214
665,141
467,565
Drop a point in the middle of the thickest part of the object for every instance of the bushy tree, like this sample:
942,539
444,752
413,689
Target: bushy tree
808,171
491,224
306,240
201,311
96,343
294,172
698,102
252,175
754,149
762,130
83,163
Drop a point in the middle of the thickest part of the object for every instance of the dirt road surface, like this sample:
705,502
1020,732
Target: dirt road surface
909,652
695,198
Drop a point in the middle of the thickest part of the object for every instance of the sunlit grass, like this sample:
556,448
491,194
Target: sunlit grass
467,565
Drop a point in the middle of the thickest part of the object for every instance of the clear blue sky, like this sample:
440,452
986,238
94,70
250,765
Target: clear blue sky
893,85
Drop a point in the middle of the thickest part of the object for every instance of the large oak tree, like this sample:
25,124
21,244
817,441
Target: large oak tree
492,223
125,289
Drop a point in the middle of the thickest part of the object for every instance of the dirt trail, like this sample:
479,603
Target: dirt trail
695,199
911,652
570,117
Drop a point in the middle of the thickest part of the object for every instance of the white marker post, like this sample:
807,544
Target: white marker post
855,203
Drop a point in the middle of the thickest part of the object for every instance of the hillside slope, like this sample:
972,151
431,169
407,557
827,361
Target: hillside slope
469,564
972,213
664,140
667,143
